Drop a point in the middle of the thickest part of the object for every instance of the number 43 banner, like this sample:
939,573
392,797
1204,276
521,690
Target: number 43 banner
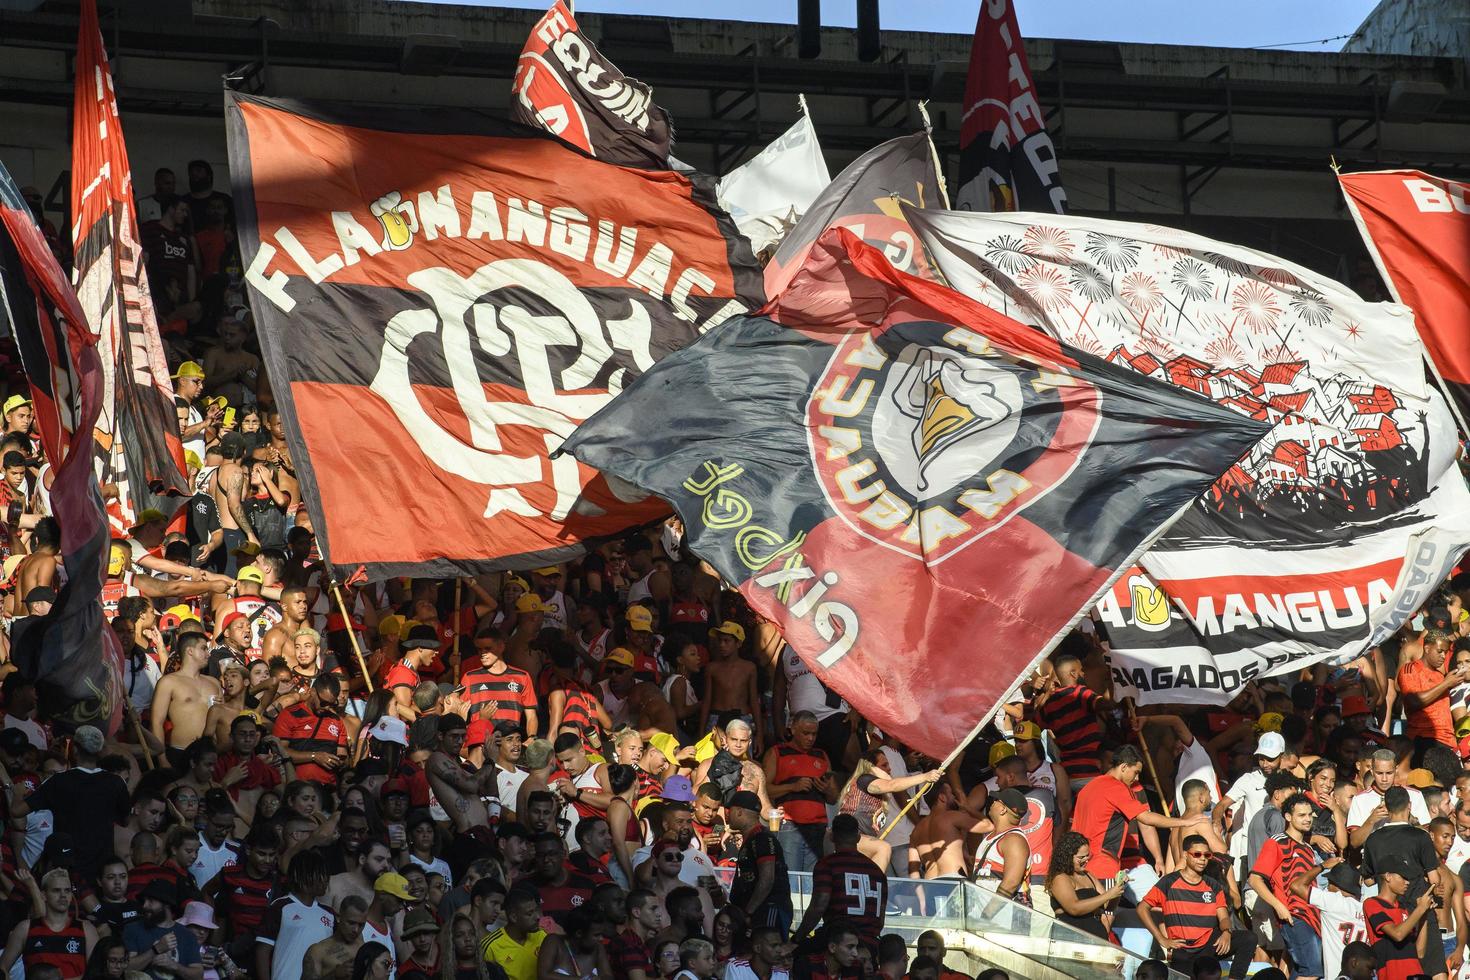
441,298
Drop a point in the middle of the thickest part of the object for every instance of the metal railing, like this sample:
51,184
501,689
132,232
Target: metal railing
981,929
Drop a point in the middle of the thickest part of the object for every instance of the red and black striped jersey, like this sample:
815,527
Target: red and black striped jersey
859,891
243,900
1190,910
1071,714
1396,960
64,948
499,696
1281,860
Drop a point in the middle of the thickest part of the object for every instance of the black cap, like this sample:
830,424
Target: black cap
60,848
1435,617
1014,800
745,800
1345,877
452,722
13,741
421,637
1399,864
161,890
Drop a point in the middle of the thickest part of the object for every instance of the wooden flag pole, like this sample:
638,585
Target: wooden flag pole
352,635
458,623
138,732
1148,758
943,767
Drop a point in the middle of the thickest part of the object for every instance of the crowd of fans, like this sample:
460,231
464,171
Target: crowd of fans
607,768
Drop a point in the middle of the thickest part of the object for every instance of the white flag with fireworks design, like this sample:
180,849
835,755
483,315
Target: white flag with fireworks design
1333,528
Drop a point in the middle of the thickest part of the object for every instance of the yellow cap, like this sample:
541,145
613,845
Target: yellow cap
517,580
730,628
619,655
250,574
1027,731
149,516
1421,778
181,610
391,625
530,603
191,459
1001,751
118,554
667,744
14,402
548,570
189,369
1269,722
640,619
393,883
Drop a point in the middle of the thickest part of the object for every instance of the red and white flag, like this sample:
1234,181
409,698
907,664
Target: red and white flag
1417,228
138,444
1007,160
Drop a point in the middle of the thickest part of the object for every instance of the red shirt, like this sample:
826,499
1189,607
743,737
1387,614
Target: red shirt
1282,859
301,730
1396,961
401,674
1434,719
259,774
1104,810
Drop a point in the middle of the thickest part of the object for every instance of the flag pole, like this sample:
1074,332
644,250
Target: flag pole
1148,757
352,635
934,153
458,623
138,733
943,767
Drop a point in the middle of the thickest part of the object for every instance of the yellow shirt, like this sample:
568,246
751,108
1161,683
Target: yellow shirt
518,960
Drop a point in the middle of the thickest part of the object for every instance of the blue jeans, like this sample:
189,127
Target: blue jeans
796,842
1305,947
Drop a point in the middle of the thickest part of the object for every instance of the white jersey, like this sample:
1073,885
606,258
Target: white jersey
1367,801
1342,923
640,590
211,861
803,690
1459,851
556,616
293,928
1249,794
617,708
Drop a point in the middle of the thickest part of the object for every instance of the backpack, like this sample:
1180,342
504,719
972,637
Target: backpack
725,772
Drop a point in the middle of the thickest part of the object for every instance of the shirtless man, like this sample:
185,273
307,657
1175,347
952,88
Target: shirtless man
281,640
937,843
1451,911
730,680
149,811
279,453
227,485
460,792
39,567
331,958
649,711
232,371
183,699
232,682
537,761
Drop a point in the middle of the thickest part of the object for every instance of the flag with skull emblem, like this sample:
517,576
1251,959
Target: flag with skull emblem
441,298
922,493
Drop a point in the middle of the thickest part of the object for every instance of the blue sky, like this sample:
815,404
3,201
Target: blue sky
1243,23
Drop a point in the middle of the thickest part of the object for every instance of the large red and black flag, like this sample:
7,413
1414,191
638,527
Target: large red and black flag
567,87
441,298
74,658
137,433
1007,160
924,494
865,199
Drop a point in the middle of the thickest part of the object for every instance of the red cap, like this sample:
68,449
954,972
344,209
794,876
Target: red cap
478,731
230,618
666,845
1353,705
395,785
